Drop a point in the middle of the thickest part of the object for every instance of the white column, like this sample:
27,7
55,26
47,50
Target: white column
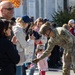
28,7
31,8
45,8
35,10
21,9
39,8
56,5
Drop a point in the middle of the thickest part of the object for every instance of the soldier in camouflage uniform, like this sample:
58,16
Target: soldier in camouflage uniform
63,38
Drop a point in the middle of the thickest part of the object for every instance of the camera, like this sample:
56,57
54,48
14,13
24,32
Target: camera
30,32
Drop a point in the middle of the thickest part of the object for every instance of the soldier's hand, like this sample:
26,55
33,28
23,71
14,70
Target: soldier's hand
35,61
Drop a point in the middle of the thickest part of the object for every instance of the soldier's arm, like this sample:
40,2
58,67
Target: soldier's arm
68,38
48,50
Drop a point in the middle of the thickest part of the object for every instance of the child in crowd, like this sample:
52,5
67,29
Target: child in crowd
42,64
38,23
65,26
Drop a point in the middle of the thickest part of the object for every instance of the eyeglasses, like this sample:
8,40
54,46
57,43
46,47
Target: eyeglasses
9,8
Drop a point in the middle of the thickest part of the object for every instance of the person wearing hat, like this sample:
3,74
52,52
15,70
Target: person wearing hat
71,24
26,19
18,30
63,38
71,21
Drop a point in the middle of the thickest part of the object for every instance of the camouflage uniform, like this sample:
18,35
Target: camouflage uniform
66,40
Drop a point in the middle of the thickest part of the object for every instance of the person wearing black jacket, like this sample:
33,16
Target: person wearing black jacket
8,54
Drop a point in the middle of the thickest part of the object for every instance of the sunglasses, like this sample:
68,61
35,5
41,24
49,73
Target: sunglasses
8,9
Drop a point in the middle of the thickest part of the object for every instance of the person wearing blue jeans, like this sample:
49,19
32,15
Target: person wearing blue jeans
19,70
24,67
27,64
32,69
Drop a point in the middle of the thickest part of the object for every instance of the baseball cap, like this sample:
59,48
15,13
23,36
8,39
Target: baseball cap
26,19
71,21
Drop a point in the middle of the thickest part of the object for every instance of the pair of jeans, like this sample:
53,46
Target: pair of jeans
25,67
19,70
32,69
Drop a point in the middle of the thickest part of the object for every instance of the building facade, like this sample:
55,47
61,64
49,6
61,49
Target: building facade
41,8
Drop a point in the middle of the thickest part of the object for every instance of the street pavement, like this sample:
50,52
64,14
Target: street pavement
52,72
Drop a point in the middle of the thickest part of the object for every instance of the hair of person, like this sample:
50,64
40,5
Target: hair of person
11,22
36,52
32,19
53,24
45,20
65,26
13,19
19,20
38,20
4,24
46,26
27,28
37,49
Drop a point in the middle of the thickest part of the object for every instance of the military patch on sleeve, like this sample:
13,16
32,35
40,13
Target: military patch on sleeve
62,32
65,33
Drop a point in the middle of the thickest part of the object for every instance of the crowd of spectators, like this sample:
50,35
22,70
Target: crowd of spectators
23,41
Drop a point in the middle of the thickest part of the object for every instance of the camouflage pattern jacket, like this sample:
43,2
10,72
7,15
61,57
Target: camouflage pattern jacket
63,38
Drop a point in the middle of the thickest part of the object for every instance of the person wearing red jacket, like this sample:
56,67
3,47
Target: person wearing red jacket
71,24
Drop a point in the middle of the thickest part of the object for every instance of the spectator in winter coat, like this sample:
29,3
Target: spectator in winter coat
22,44
8,54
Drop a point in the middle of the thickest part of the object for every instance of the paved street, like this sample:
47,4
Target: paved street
52,72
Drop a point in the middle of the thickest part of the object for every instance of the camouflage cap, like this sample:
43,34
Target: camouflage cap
44,28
